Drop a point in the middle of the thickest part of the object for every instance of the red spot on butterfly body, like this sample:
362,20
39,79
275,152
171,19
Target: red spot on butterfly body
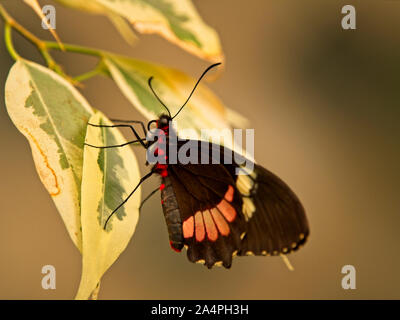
160,166
162,186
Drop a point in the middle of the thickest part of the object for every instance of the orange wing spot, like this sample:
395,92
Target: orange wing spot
229,194
212,232
227,210
188,227
199,226
219,220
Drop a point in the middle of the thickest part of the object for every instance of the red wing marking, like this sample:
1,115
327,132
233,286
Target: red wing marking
227,210
229,194
211,229
219,220
211,221
173,248
188,227
199,226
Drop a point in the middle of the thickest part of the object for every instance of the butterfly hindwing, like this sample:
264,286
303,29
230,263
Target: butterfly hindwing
276,221
209,206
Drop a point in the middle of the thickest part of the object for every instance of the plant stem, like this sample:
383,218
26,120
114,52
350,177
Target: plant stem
87,75
11,23
24,32
74,48
42,45
8,42
45,46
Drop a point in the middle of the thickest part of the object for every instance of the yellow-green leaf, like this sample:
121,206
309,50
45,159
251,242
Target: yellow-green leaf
94,7
123,28
109,176
176,20
52,115
203,111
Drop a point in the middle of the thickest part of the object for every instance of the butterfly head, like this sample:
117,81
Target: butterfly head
161,123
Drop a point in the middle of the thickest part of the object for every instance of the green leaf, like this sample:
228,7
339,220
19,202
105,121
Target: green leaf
109,176
176,20
52,115
203,111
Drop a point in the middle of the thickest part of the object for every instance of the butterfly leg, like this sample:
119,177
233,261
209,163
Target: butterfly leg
140,140
113,146
127,198
132,121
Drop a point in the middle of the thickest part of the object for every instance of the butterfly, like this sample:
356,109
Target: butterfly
210,209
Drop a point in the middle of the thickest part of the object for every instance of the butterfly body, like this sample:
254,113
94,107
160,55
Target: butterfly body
172,214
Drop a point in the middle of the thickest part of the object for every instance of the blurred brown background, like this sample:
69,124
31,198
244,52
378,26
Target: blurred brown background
325,106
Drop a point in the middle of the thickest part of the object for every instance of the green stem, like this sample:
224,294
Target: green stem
11,23
8,42
74,48
87,75
24,32
45,46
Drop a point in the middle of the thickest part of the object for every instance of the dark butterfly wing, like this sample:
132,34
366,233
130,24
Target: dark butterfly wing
209,212
276,221
219,214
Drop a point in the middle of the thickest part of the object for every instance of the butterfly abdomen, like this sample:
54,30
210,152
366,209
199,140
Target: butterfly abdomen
171,214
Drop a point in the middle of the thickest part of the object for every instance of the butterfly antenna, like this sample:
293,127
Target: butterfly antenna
158,98
195,86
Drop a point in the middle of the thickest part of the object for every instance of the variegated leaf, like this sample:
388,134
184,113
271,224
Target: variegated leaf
94,7
176,20
109,176
52,115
